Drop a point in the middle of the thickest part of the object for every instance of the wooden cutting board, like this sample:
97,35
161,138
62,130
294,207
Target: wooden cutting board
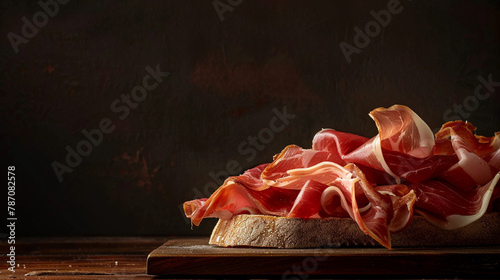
193,257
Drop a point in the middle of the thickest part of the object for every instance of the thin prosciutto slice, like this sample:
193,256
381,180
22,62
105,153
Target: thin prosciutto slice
293,157
450,208
308,202
402,164
233,198
403,200
337,143
474,155
400,129
376,219
414,169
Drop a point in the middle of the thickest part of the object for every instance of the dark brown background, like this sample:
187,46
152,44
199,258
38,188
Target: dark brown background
225,79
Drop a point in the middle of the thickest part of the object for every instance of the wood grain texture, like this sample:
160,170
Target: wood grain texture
80,258
194,257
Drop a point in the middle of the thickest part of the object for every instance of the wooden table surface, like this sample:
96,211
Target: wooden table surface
194,258
80,258
127,258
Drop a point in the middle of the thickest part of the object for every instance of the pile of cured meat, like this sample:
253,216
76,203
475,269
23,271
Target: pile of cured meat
449,178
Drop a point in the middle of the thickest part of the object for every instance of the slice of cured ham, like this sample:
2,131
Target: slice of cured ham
337,143
474,153
402,199
233,198
376,219
401,130
450,208
413,169
293,157
308,202
378,182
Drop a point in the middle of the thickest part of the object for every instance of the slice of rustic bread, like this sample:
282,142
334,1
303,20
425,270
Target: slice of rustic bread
280,232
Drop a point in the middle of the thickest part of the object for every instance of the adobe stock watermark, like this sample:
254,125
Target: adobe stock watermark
372,29
306,267
222,6
248,148
121,107
471,103
39,20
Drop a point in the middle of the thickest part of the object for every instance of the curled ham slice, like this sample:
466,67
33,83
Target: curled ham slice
401,130
308,202
415,169
290,158
379,182
334,203
450,208
474,155
374,221
403,200
337,143
231,197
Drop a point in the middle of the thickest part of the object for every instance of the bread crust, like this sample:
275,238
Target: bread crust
281,232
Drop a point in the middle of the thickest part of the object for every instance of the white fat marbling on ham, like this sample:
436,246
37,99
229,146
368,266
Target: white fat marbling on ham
400,130
495,159
478,202
377,152
478,169
328,197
